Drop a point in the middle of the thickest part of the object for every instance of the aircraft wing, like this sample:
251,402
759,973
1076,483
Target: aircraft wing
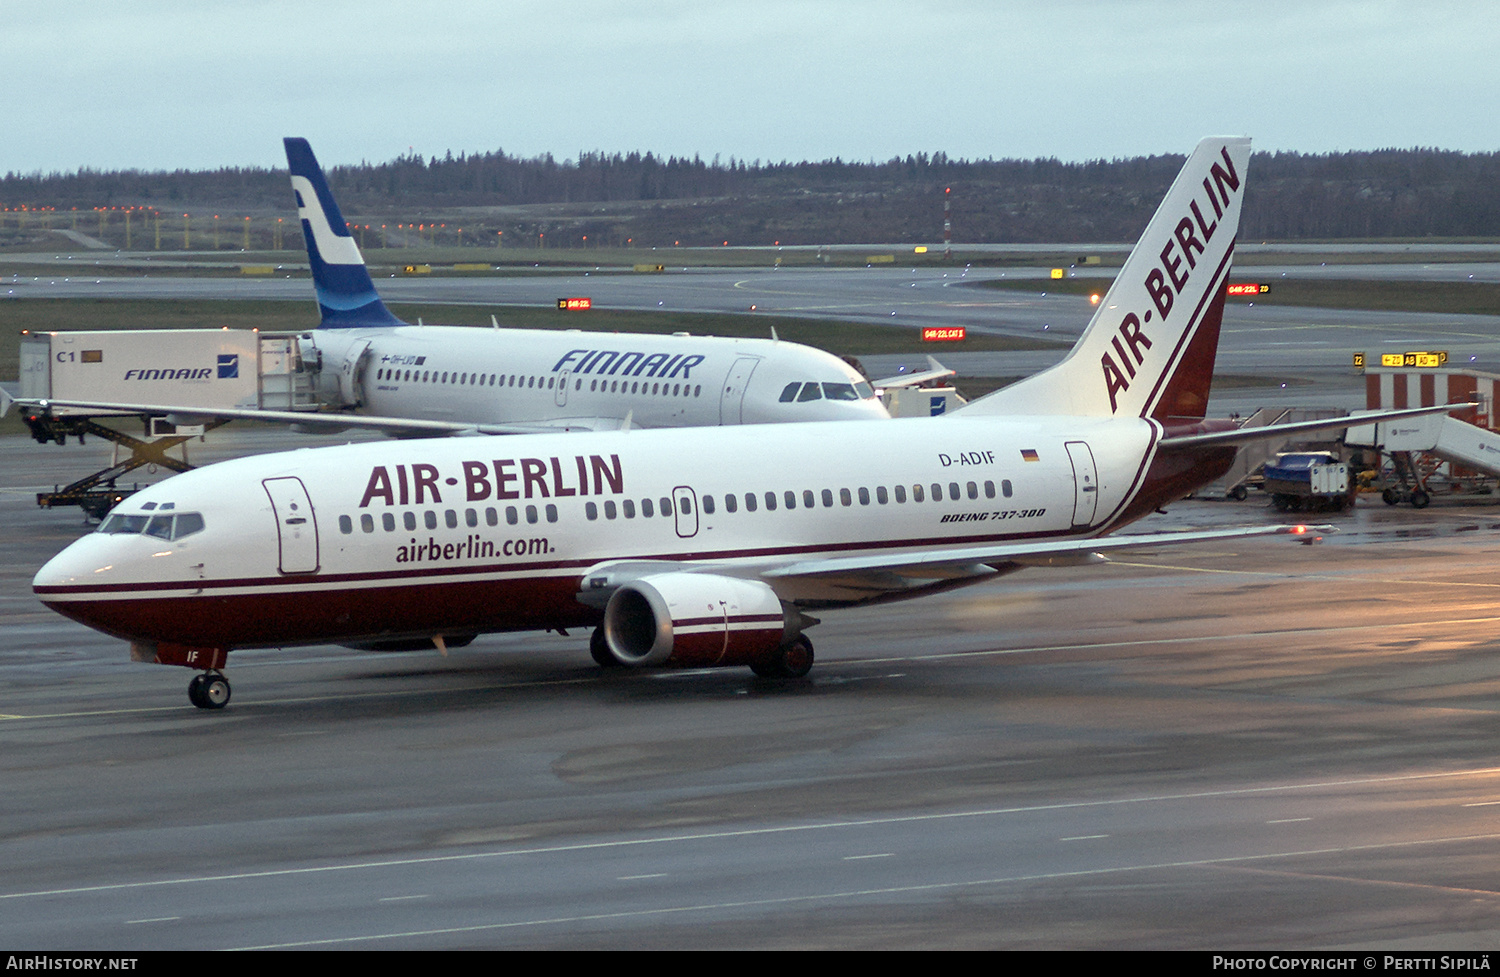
1273,431
936,372
1060,552
330,420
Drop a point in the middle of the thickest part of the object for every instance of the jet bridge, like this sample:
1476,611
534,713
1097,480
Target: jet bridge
204,369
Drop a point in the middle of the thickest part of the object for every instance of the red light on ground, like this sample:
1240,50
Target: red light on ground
575,303
942,334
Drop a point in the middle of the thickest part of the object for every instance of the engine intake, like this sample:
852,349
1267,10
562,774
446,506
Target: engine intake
697,620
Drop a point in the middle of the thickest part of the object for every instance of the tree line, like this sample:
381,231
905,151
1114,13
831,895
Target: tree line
650,199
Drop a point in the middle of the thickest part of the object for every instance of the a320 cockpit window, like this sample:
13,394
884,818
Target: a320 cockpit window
162,525
804,392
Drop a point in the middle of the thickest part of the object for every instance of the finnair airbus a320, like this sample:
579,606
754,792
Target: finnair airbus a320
376,371
691,547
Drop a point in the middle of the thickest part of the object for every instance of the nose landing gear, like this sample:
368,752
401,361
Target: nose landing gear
209,690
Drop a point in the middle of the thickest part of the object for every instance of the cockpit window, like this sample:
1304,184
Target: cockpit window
864,390
839,391
810,391
790,393
118,523
161,526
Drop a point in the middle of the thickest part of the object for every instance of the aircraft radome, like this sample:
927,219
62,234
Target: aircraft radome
372,370
691,547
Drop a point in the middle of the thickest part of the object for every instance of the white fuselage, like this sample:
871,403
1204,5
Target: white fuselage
472,535
589,380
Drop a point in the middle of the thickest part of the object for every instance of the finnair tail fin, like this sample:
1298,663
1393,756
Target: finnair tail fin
1149,350
346,294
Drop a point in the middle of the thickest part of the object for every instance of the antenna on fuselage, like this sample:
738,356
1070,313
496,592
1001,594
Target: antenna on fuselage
494,323
774,338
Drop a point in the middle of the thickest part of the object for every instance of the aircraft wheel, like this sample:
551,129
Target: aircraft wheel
599,649
1239,493
215,692
1419,499
795,659
1390,496
195,691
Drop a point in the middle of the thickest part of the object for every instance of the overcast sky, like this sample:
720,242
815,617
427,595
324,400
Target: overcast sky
159,84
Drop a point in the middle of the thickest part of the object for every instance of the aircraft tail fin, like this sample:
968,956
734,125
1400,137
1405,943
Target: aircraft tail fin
1149,350
346,295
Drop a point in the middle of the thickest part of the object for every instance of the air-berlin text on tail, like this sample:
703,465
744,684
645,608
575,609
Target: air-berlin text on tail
501,479
1164,282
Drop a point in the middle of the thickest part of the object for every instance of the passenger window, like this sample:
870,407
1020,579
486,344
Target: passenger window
1005,487
916,493
989,489
609,509
973,491
901,494
808,499
491,517
647,509
471,518
827,498
590,511
388,521
770,501
790,498
409,519
844,497
666,507
880,495
749,501
551,512
531,514
346,525
511,515
708,506
367,522
430,518
953,491
937,492
629,507
731,502
864,495
451,518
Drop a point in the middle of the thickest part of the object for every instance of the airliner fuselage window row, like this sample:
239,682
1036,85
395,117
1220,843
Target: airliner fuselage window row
514,380
649,508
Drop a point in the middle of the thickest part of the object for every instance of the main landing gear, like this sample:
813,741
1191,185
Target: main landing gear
792,660
209,690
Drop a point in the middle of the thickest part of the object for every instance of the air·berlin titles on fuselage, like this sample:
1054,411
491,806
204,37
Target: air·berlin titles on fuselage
1186,241
501,479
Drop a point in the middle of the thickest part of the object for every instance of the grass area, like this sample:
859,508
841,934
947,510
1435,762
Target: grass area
1467,298
384,261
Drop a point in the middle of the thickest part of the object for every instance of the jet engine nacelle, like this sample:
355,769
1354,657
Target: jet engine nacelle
697,620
